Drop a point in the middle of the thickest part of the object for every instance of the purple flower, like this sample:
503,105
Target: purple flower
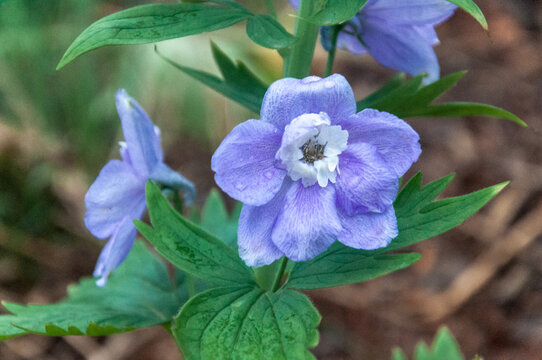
117,196
399,34
312,171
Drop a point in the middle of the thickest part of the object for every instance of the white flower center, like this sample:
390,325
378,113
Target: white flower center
310,149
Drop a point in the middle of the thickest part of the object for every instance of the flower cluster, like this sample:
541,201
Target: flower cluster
312,170
399,34
117,196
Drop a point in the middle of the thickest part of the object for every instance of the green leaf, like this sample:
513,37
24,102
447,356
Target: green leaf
419,217
444,348
473,9
239,83
268,32
138,294
465,109
188,246
215,219
332,12
247,323
407,99
398,354
155,22
341,265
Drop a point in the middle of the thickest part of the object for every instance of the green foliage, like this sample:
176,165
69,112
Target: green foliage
473,9
238,83
247,323
188,246
407,99
332,12
138,294
215,219
419,217
268,32
444,348
155,22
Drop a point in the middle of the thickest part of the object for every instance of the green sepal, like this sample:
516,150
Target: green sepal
268,32
188,246
332,12
247,323
238,83
155,22
407,99
138,294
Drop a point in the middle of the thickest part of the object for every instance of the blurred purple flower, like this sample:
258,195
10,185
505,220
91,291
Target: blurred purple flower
399,34
117,196
312,171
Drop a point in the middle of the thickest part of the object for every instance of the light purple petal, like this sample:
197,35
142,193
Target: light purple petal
295,3
289,98
365,183
165,175
351,43
245,163
116,250
116,193
255,228
142,139
369,231
395,140
409,12
308,223
401,48
428,33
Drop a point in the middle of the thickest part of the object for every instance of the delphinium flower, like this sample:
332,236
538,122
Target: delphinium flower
117,196
312,170
399,34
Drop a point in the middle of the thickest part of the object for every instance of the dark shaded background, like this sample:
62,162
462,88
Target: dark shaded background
483,280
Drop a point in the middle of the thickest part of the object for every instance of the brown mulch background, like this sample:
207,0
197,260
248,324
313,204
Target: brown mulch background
483,280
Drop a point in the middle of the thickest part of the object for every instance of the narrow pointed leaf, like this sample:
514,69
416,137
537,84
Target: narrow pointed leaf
473,9
155,22
239,83
216,220
188,246
247,323
369,102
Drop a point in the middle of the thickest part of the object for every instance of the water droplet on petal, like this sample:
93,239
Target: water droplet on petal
240,186
268,174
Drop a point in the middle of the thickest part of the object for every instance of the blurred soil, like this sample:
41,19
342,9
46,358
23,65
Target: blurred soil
483,280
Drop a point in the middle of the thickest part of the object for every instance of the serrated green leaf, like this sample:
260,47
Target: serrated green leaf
473,9
268,32
332,12
419,217
411,99
188,246
247,323
155,22
216,220
138,294
239,83
341,265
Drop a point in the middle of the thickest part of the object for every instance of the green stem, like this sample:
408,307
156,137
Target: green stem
331,55
271,8
298,61
280,273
